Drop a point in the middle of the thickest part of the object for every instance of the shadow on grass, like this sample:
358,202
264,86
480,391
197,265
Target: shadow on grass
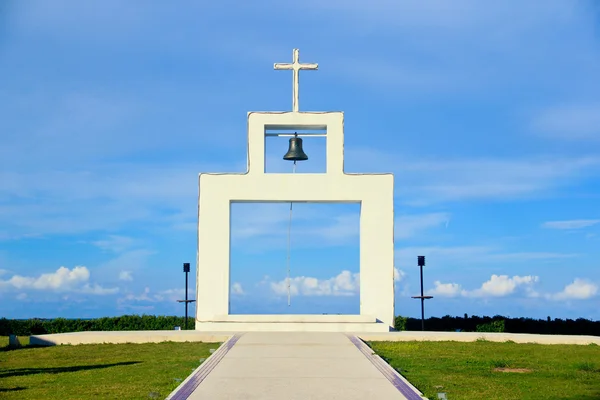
15,389
59,370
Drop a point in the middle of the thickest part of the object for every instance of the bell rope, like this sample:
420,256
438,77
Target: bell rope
289,245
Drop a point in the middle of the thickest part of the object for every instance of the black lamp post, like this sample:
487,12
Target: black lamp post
186,270
421,263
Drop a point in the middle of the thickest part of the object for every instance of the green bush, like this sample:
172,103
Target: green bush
494,326
63,325
400,323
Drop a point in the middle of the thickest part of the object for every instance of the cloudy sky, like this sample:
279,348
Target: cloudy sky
488,114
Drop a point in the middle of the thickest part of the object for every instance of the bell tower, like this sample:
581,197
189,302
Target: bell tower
374,193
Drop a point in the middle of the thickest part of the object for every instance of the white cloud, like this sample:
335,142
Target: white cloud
579,289
236,288
501,285
63,280
344,284
398,274
22,296
496,286
144,296
573,122
571,224
445,289
97,289
125,276
168,295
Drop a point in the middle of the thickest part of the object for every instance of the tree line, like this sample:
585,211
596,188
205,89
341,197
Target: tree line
499,323
35,326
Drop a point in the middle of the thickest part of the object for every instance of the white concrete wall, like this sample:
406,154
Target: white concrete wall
373,191
429,336
74,338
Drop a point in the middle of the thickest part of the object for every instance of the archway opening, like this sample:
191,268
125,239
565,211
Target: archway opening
324,258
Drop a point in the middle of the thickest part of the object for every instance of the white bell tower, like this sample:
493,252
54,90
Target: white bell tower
374,193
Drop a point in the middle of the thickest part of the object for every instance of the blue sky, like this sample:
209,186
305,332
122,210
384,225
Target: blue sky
487,113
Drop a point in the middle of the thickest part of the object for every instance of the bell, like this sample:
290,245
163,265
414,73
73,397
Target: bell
295,152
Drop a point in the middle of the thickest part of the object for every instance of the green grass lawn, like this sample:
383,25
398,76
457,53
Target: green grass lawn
469,371
98,371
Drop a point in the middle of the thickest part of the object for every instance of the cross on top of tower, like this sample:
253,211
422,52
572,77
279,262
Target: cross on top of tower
295,66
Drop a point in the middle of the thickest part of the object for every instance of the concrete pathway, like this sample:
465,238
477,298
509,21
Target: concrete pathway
294,365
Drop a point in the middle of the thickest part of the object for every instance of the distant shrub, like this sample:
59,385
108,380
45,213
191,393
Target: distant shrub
62,325
400,323
494,326
471,323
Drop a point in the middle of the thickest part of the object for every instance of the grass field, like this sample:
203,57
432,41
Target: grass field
497,371
99,371
4,341
465,371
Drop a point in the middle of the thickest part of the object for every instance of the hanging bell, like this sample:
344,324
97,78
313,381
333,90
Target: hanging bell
295,152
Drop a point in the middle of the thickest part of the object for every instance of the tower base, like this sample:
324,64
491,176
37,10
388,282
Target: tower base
293,323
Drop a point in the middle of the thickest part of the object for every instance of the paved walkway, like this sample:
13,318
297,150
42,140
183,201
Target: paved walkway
294,365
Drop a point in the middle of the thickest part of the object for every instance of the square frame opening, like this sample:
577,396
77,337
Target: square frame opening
324,258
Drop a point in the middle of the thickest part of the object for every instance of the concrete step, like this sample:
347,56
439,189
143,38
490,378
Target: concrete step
277,318
292,327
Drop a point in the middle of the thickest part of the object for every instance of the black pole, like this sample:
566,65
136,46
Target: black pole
186,299
186,270
422,302
421,263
